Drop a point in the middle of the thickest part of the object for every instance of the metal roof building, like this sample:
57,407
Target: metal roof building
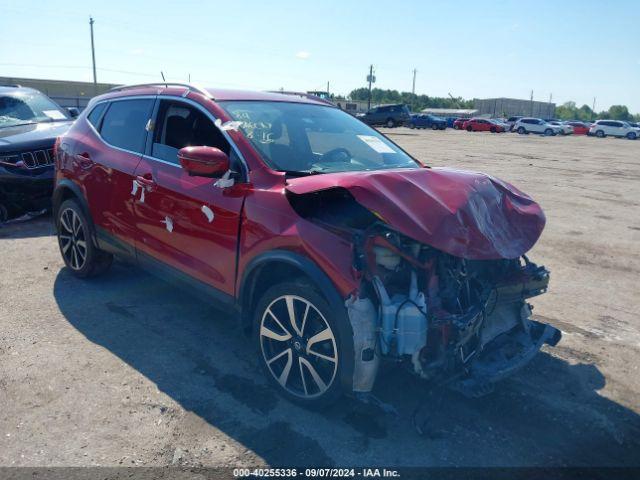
451,112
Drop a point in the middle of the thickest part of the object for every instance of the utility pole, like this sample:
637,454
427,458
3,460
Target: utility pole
593,109
371,80
413,88
327,88
551,115
532,103
93,58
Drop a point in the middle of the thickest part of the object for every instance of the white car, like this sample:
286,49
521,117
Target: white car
536,125
566,128
615,128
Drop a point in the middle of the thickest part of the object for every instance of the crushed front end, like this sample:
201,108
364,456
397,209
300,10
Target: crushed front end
464,323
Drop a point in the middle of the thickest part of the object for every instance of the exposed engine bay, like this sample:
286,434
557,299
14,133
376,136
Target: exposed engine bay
461,322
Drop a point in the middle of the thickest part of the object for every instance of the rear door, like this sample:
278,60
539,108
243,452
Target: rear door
110,163
186,223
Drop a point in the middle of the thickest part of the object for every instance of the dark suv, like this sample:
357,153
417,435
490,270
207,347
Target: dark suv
387,115
335,248
29,125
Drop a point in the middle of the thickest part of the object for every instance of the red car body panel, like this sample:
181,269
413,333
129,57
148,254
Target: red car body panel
466,214
477,126
579,129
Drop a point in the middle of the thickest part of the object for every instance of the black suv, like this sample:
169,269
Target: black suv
388,115
30,122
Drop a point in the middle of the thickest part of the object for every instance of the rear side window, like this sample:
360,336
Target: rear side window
124,124
96,114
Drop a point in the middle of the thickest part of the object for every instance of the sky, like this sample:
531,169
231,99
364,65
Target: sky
572,50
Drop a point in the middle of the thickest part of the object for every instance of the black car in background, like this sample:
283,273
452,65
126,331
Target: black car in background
30,122
387,115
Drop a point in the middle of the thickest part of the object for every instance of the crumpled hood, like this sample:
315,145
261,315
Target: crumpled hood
466,214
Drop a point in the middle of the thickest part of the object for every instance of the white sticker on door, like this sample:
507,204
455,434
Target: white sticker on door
375,143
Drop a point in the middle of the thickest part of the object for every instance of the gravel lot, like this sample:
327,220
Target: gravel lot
127,370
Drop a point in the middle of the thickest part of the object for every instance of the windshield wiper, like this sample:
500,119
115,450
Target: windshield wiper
17,124
302,173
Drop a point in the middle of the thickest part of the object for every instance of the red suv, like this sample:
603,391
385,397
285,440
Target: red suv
335,247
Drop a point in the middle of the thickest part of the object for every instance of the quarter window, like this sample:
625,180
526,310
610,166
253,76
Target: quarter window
96,113
124,124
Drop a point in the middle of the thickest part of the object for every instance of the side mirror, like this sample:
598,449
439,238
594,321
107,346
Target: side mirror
204,161
73,112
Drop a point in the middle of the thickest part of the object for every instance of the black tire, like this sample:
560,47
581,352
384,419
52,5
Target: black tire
75,239
434,126
492,129
412,126
548,132
390,123
600,134
456,127
273,353
522,130
469,129
632,135
4,213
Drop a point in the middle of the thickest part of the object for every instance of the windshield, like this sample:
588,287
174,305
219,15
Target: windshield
307,139
24,107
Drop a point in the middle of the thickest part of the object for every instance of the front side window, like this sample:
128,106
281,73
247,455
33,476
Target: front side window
27,107
305,138
181,125
124,123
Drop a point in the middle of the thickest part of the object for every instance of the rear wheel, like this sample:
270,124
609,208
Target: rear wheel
469,129
456,127
390,123
548,132
412,126
299,344
522,130
79,253
492,129
600,134
434,126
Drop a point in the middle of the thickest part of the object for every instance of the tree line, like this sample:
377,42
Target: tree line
566,111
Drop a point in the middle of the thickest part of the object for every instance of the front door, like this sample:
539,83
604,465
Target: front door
186,222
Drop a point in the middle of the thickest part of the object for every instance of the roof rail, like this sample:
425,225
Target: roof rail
188,86
15,85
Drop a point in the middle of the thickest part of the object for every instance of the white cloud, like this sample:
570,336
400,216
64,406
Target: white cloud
302,55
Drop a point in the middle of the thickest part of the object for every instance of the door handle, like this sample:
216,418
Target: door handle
145,182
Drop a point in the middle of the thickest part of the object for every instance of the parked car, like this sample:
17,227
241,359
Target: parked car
457,124
634,124
614,128
511,121
579,128
482,125
450,121
536,125
387,115
427,121
332,246
29,125
565,128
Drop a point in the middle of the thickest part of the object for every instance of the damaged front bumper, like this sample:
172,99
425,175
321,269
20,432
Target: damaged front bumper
503,356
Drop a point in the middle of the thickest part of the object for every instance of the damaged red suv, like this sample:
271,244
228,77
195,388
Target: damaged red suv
337,249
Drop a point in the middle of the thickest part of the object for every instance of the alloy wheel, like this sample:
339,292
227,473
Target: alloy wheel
298,346
73,242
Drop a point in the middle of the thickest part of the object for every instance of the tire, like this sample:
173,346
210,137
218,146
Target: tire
600,134
390,123
456,127
434,126
548,132
412,126
312,380
75,236
4,214
632,135
492,129
469,129
522,130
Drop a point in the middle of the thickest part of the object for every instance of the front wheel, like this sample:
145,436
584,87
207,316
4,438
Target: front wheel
434,126
456,127
299,344
548,132
632,135
469,129
600,134
493,129
390,123
79,253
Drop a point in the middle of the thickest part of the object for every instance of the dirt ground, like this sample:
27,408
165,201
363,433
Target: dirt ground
127,370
